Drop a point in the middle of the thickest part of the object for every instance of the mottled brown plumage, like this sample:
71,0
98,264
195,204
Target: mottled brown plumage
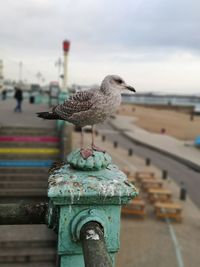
92,106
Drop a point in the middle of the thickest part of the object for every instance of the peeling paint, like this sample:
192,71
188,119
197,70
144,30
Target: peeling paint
76,184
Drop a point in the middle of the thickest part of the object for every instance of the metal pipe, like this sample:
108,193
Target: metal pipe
94,247
23,213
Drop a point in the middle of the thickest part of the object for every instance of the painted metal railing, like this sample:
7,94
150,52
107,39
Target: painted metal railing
92,235
85,199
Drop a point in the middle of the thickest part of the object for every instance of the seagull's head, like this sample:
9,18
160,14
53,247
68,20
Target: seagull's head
115,82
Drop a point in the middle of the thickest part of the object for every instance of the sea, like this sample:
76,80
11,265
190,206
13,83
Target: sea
173,100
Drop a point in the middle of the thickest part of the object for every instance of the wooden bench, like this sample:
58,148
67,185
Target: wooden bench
151,183
144,175
131,176
159,195
132,179
168,210
126,171
136,207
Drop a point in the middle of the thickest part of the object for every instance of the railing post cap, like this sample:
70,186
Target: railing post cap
98,160
108,185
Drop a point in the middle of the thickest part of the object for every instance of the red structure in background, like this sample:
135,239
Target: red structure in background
66,45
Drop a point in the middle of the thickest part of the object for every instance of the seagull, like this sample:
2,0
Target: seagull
90,107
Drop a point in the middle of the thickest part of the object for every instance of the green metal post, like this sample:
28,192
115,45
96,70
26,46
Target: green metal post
83,192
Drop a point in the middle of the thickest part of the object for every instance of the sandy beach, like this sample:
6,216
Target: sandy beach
175,123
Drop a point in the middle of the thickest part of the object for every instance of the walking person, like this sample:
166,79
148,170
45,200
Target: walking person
4,93
19,97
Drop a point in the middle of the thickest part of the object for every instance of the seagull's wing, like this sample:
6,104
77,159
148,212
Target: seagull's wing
81,101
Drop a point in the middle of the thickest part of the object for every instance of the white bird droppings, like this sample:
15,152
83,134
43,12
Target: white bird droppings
92,235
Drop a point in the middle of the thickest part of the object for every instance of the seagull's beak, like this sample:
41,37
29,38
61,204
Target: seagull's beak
129,87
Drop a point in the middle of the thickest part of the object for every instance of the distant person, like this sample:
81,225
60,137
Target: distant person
4,93
19,98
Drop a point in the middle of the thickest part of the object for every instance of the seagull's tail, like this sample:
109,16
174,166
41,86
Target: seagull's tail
48,115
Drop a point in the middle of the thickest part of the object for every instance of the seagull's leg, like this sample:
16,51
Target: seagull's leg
93,136
94,147
85,153
82,138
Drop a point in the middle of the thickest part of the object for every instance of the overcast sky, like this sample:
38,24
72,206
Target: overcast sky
153,44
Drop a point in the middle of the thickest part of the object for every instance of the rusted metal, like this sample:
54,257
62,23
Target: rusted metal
94,247
23,213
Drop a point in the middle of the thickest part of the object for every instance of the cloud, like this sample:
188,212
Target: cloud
103,33
128,24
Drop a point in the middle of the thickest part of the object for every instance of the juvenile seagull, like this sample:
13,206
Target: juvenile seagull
90,107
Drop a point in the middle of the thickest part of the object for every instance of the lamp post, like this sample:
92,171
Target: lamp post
66,46
20,71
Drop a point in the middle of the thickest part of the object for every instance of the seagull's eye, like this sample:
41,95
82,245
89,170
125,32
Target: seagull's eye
119,81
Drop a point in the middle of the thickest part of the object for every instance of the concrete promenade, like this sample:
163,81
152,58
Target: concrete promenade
149,242
180,150
27,118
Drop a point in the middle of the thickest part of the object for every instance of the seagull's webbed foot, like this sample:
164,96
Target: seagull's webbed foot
86,153
96,148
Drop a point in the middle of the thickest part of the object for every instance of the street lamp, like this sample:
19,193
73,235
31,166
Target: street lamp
66,46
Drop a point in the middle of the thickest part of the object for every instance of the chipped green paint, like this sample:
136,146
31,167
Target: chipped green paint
107,186
78,196
97,161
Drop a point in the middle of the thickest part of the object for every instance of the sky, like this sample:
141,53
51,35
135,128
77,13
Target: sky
153,45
